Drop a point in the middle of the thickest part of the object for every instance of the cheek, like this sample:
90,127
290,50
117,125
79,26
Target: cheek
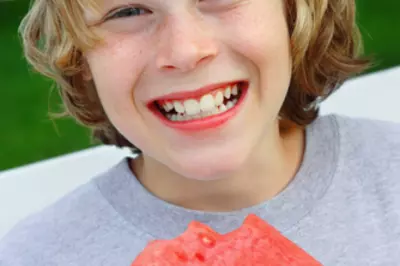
261,34
263,40
117,68
267,44
113,70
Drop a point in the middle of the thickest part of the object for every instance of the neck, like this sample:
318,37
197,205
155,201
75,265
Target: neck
271,166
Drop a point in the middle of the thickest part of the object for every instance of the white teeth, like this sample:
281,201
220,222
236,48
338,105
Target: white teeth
214,111
235,90
186,116
207,103
229,104
222,108
192,107
168,106
179,108
227,92
205,114
219,98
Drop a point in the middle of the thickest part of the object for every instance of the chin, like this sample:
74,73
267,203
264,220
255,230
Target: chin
209,166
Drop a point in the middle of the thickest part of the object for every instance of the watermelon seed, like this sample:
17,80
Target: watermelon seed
200,257
181,255
208,241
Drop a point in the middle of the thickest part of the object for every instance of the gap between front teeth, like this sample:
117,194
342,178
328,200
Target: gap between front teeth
207,103
217,110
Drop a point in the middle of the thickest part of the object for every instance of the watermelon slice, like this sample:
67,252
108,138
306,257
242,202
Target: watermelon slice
255,243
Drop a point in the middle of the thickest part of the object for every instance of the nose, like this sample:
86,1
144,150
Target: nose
184,44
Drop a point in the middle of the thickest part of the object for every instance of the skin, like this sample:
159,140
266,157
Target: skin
183,45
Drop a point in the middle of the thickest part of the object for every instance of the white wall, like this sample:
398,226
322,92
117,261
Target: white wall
372,96
30,188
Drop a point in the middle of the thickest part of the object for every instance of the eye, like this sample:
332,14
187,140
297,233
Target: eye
128,12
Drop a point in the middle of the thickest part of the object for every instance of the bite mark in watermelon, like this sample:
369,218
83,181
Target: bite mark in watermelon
255,243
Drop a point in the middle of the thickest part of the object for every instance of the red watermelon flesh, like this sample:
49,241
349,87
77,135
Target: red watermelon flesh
255,243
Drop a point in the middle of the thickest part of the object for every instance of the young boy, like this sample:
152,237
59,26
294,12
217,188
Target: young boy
219,99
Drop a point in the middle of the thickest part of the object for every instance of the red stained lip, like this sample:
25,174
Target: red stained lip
178,96
211,122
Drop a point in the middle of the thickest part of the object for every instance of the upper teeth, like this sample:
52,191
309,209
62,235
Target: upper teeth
179,107
207,103
235,90
227,92
192,107
168,106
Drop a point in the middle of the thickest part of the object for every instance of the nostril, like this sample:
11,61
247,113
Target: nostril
168,67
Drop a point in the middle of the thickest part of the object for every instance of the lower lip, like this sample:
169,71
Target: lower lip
210,122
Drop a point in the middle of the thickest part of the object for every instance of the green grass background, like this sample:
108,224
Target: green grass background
27,134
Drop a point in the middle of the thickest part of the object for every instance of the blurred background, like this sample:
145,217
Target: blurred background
27,134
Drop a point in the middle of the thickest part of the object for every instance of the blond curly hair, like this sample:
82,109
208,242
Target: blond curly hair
325,42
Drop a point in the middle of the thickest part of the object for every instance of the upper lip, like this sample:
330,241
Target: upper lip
183,95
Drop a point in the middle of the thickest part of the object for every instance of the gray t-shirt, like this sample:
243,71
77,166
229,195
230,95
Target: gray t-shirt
343,207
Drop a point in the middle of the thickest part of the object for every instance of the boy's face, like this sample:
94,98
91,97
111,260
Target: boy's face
156,52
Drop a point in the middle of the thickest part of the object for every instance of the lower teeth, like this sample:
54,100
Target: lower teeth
183,117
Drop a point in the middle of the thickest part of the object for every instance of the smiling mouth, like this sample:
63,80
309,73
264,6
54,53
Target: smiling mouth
213,103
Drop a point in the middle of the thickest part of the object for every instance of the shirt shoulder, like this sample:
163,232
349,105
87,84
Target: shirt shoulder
370,155
37,239
72,231
375,142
